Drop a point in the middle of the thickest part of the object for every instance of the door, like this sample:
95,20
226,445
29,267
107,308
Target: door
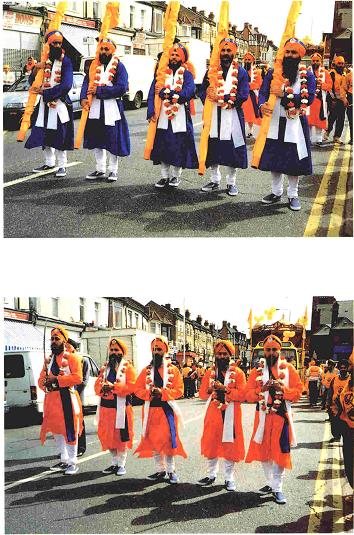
17,383
89,397
76,90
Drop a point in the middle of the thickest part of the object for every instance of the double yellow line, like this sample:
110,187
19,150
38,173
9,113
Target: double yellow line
336,220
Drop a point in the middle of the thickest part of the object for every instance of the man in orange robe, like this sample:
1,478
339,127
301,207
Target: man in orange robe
273,385
62,410
314,376
337,385
250,107
327,377
159,385
318,115
114,386
223,386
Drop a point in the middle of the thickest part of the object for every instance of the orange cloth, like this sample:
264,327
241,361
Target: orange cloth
338,386
315,108
348,83
53,415
327,378
211,442
270,450
248,106
158,438
314,372
346,399
107,433
338,85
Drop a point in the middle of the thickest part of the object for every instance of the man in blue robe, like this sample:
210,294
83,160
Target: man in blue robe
106,128
174,145
288,149
52,120
226,144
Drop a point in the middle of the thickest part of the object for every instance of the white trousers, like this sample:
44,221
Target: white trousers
67,452
316,134
164,463
100,155
278,181
170,171
274,475
119,458
213,468
230,175
49,157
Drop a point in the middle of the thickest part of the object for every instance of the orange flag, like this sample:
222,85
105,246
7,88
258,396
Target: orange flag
277,80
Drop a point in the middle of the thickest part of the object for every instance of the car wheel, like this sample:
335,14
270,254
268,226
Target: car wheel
137,101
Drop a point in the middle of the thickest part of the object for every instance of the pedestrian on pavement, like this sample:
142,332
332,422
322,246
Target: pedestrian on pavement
8,77
348,90
250,107
114,386
53,122
337,385
227,142
274,384
186,372
327,377
314,376
106,128
346,425
318,116
224,388
337,100
201,372
159,385
174,145
27,69
62,410
287,149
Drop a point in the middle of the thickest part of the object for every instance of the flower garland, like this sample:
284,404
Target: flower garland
291,111
48,73
171,108
274,406
112,72
221,84
149,379
319,74
232,381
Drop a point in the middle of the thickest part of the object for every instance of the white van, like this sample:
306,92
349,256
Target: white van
140,75
22,370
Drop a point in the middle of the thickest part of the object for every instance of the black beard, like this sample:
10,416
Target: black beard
226,62
175,66
54,53
271,361
157,360
57,350
339,70
315,67
222,364
290,68
343,373
114,359
105,59
247,66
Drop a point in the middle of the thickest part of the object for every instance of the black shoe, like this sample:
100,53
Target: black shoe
172,478
43,168
174,182
60,467
95,175
249,135
271,199
61,172
279,497
295,205
264,491
334,440
162,183
157,476
80,453
110,470
210,186
206,481
231,189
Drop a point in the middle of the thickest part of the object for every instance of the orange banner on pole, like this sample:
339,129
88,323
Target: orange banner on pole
38,81
109,21
170,27
289,32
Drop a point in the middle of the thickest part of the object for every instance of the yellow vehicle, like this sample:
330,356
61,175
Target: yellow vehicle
288,349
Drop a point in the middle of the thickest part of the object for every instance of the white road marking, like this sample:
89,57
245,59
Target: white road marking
35,175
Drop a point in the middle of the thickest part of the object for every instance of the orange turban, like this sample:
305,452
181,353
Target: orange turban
116,342
338,59
230,42
225,344
316,55
296,44
272,341
249,57
109,43
161,342
52,36
59,331
181,50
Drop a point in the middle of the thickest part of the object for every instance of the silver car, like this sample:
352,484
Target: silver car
15,99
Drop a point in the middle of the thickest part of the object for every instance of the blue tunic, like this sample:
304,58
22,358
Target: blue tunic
98,135
223,152
63,137
280,156
178,148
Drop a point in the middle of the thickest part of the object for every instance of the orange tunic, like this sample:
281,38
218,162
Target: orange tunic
336,388
269,449
211,443
158,437
327,378
53,414
247,106
346,398
109,436
315,108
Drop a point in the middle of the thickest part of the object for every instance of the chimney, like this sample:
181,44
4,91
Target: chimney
234,327
168,306
228,324
188,314
234,27
194,9
256,29
202,12
212,327
211,16
199,319
224,323
206,324
176,310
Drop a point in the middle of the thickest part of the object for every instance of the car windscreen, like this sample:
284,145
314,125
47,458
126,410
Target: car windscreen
20,85
14,366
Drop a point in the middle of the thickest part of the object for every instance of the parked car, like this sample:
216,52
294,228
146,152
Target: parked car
22,370
15,99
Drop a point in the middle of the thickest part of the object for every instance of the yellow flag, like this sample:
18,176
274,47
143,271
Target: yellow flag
250,319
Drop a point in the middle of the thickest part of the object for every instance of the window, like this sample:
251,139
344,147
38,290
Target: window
117,315
32,303
185,30
157,22
132,13
82,309
143,13
94,371
95,8
97,313
78,79
130,318
136,320
14,366
153,327
55,307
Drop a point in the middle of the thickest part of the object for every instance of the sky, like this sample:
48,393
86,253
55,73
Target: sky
270,16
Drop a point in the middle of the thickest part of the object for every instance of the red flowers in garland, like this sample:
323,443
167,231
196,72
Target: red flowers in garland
48,74
172,107
111,72
221,84
291,111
